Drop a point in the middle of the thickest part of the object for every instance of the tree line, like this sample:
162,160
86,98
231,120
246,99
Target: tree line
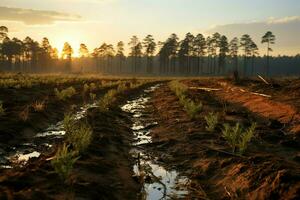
192,52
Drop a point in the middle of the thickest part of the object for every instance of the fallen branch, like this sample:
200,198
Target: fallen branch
50,158
157,179
261,78
204,88
260,94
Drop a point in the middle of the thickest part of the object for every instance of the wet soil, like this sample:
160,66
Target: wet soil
157,180
13,128
18,136
104,171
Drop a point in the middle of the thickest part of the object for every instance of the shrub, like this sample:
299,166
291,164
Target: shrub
93,87
231,135
246,138
93,96
80,137
78,134
189,105
237,137
122,87
64,94
69,122
38,106
211,121
192,108
182,99
86,88
178,88
2,110
107,100
63,162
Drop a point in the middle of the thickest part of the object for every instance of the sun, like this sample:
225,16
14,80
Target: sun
72,40
74,46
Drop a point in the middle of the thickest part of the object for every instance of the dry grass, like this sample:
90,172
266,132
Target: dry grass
24,114
93,96
39,106
2,110
65,94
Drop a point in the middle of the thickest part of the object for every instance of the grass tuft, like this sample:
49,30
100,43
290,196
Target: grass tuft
108,99
211,121
64,161
38,106
80,136
93,87
2,110
93,96
69,122
24,114
237,137
246,138
178,88
192,108
65,94
86,88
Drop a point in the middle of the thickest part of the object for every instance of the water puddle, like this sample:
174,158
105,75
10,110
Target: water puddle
25,157
41,142
158,182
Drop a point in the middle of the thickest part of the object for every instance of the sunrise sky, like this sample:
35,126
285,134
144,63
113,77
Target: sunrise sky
96,21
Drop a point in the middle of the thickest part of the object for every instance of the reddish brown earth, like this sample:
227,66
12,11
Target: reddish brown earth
268,170
283,105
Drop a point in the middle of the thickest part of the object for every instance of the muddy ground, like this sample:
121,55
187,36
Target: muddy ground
104,171
270,168
13,128
17,135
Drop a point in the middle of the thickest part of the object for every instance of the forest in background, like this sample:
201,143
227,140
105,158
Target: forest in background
195,55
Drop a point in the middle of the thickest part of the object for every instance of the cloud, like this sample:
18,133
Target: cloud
284,20
286,30
35,17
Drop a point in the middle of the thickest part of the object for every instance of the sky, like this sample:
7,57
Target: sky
96,21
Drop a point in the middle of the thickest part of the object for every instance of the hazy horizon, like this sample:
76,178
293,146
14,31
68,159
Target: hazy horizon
96,21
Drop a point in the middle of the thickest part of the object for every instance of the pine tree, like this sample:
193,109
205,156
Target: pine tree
199,45
150,47
268,38
233,52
